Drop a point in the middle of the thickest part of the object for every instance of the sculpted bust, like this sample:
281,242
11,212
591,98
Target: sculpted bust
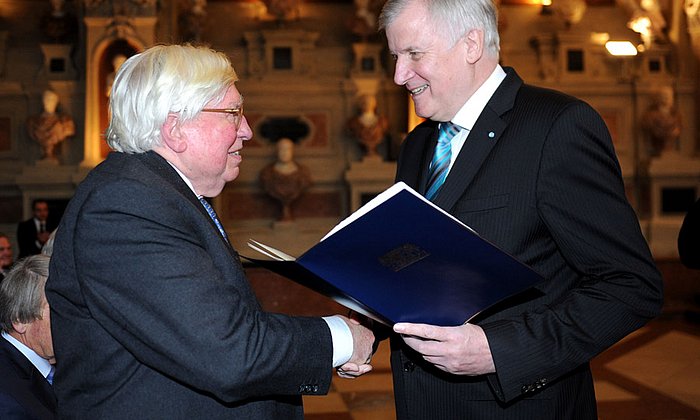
368,127
662,122
285,179
50,128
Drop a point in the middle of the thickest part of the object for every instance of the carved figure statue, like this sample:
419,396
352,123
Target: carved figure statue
50,128
58,25
662,122
117,61
364,21
282,10
369,127
285,179
569,11
645,18
193,20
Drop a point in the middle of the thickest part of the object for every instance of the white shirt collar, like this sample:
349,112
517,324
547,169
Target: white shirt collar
467,115
41,364
184,178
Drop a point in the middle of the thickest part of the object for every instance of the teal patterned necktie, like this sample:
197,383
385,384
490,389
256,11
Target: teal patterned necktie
212,214
441,159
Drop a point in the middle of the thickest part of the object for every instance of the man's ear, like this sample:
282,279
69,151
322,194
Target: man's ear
20,327
172,135
474,40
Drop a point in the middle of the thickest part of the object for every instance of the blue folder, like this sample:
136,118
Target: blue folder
406,260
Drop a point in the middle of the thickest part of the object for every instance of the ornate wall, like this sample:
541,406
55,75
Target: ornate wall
304,65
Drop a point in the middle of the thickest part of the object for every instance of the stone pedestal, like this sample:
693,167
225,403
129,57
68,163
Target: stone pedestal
49,181
58,64
368,178
675,185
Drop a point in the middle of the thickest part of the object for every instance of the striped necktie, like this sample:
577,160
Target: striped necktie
212,214
49,377
441,159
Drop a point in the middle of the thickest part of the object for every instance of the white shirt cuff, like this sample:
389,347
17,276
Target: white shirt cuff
342,340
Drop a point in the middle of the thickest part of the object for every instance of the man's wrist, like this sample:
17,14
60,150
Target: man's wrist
342,340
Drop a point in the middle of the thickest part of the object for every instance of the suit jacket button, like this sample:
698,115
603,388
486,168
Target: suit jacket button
409,366
314,389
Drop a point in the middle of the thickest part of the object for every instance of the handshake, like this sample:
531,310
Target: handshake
363,347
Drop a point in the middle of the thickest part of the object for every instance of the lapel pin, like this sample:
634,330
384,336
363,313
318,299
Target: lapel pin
492,134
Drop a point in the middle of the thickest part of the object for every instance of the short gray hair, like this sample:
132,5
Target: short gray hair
161,80
22,291
454,17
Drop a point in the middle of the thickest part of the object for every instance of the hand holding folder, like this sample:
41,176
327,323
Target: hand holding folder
400,258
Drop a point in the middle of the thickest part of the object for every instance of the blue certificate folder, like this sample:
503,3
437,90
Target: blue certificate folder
400,258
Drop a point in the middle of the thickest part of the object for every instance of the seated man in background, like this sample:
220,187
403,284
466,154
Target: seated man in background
26,351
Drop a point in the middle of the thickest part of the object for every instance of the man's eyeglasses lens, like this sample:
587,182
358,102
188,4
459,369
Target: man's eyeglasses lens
235,115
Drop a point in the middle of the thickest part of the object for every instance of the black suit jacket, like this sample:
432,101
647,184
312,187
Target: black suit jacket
152,314
27,237
24,392
689,238
538,177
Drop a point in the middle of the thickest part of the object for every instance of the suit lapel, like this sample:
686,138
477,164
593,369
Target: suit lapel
427,158
162,168
416,153
40,389
481,139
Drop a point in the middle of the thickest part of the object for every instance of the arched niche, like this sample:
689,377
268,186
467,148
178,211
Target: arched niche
106,37
107,62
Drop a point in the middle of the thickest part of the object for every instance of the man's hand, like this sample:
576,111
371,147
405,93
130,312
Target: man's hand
43,237
462,350
362,339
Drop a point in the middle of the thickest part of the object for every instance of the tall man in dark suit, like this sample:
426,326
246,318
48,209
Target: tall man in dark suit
33,233
534,172
26,351
152,314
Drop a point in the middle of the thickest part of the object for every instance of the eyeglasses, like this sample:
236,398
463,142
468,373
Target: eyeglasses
235,115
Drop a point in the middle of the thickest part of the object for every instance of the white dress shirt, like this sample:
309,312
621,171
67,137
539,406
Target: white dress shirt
467,115
41,364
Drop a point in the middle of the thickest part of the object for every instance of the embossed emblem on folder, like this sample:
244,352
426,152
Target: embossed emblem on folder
399,258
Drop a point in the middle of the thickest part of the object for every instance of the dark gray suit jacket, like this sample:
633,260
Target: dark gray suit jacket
538,177
153,317
24,392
